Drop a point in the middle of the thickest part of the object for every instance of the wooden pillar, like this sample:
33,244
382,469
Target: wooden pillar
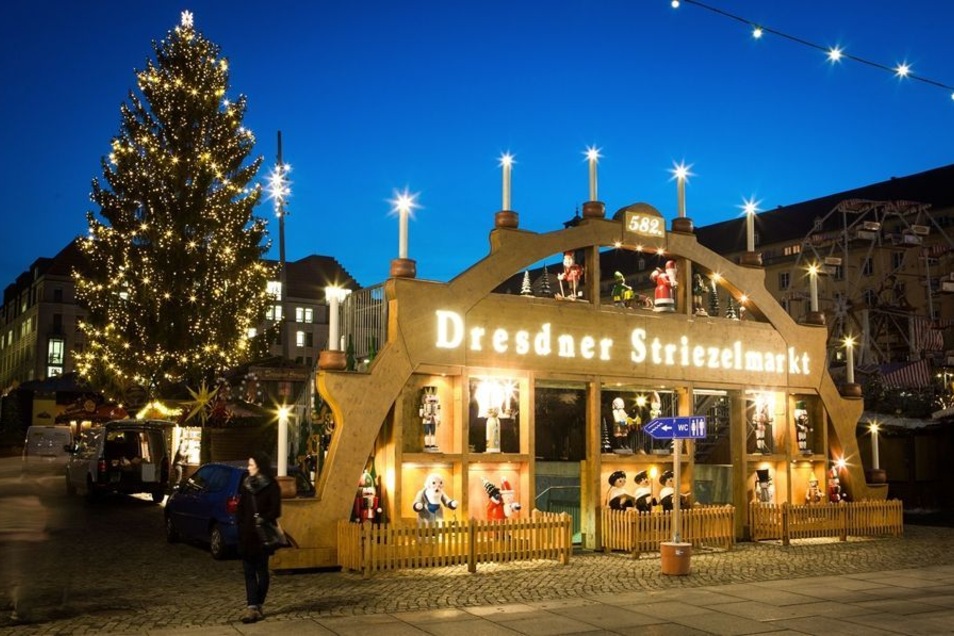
590,469
737,433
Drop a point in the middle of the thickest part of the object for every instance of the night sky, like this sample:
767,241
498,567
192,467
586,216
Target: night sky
374,96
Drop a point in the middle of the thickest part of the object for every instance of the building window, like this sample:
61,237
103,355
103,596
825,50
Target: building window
309,315
897,260
870,297
58,294
274,313
251,333
299,338
54,352
309,339
791,250
867,267
784,280
57,323
274,289
839,272
299,314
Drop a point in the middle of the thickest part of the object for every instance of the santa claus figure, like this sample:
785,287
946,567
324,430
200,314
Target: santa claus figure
366,502
665,280
835,493
430,501
501,504
572,274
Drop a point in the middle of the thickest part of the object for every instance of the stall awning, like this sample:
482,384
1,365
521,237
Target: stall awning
906,375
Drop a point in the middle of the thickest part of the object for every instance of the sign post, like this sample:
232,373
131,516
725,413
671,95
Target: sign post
675,555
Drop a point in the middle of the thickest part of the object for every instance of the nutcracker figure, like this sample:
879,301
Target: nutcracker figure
814,494
762,422
366,502
621,427
803,428
430,413
699,290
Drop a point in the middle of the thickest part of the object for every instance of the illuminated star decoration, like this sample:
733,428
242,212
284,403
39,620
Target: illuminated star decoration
404,203
201,402
680,171
278,187
187,19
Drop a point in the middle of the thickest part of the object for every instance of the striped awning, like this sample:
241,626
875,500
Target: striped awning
906,375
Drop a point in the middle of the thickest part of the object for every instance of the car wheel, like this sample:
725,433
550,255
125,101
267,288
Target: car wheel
172,535
217,543
158,496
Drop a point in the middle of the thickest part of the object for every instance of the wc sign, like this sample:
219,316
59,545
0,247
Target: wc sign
690,427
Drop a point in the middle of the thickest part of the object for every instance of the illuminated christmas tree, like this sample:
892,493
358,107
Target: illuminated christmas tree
525,288
175,280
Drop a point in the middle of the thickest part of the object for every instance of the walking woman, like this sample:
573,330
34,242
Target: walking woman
260,497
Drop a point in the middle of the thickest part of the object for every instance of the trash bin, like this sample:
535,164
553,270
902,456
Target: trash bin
675,558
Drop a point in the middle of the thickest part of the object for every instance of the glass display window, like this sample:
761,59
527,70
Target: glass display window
496,492
431,492
494,415
624,411
764,410
560,421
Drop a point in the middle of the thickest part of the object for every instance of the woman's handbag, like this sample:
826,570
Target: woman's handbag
271,533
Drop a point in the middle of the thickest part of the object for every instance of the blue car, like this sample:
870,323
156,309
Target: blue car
203,508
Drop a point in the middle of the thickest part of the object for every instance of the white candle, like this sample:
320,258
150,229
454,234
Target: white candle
402,234
505,162
850,366
750,230
283,441
335,295
403,204
813,287
593,155
875,460
681,195
332,319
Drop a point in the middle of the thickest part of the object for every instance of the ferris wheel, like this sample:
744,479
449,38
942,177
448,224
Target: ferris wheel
880,266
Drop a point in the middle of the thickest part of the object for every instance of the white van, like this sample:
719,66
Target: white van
46,449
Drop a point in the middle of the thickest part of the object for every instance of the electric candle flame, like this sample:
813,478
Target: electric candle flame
403,204
834,54
593,156
278,187
757,32
902,70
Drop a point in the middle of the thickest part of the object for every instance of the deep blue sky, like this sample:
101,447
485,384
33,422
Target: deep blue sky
377,95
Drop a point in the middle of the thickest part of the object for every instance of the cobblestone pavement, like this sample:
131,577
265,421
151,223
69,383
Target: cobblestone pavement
136,583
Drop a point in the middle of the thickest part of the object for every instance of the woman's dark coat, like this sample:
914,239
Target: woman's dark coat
268,501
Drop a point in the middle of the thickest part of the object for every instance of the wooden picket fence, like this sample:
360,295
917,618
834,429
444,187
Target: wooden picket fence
638,532
369,548
857,518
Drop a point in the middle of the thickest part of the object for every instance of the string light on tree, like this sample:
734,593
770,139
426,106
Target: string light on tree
834,54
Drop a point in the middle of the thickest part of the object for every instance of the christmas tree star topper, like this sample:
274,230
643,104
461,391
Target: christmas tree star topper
187,19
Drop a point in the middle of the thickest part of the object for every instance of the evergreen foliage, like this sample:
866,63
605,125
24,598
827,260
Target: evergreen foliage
174,279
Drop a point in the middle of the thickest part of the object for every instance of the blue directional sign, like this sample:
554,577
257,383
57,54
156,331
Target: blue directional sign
688,427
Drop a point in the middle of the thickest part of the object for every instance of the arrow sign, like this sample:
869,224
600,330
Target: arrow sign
687,427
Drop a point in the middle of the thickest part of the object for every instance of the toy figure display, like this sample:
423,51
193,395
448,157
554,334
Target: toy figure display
764,490
803,428
699,290
814,494
668,492
762,423
492,431
665,285
430,413
366,502
573,275
501,504
430,501
835,493
622,425
623,294
616,497
644,492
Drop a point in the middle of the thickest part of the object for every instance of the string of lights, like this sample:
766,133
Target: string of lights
835,54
